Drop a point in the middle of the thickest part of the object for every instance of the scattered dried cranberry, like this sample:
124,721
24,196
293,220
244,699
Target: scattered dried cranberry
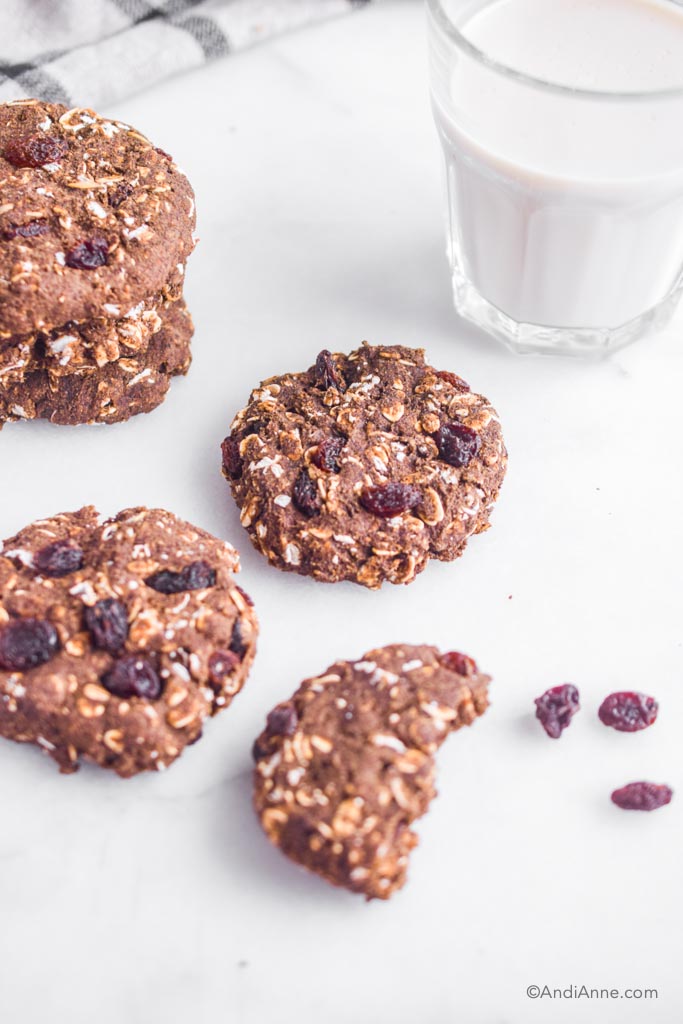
132,676
454,661
628,711
59,558
457,444
642,796
119,194
107,622
238,644
452,378
326,373
232,460
89,254
221,665
30,230
26,643
282,720
35,150
556,708
326,456
195,576
305,495
390,499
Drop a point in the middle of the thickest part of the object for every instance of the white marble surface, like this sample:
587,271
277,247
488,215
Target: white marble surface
158,899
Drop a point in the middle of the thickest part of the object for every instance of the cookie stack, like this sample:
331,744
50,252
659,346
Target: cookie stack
96,225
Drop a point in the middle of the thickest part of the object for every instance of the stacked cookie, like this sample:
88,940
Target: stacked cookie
96,225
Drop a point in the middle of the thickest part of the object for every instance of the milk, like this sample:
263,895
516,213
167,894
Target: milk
566,207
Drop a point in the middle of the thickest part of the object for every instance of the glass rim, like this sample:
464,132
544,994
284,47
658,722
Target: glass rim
438,11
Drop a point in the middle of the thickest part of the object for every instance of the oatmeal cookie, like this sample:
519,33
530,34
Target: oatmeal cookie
346,765
91,216
119,638
88,389
365,466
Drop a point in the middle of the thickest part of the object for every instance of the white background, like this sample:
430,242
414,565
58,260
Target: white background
316,169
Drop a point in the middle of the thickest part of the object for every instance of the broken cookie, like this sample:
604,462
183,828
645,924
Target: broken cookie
346,765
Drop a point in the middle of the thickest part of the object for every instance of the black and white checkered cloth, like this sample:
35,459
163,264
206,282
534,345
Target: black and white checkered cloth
90,52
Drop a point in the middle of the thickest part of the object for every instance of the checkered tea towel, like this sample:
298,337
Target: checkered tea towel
91,52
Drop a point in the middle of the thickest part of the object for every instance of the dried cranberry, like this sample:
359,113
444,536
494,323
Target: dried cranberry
26,643
259,749
221,665
389,499
132,676
642,796
628,711
326,456
89,254
457,444
556,708
196,576
326,373
305,495
232,460
107,621
59,558
452,378
35,150
246,597
30,230
238,643
282,720
119,194
454,661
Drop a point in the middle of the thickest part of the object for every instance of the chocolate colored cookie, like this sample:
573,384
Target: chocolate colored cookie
91,215
68,381
365,466
346,765
119,638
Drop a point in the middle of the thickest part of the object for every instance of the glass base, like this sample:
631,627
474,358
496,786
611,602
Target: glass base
534,339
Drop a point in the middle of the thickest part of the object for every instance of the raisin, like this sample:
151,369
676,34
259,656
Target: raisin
232,460
30,230
89,254
305,495
238,643
196,576
221,665
282,720
452,378
133,676
389,499
35,150
326,456
162,152
457,444
26,643
454,661
326,373
628,712
59,558
642,796
556,707
107,622
119,194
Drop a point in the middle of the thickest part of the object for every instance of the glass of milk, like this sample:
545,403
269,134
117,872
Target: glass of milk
562,127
